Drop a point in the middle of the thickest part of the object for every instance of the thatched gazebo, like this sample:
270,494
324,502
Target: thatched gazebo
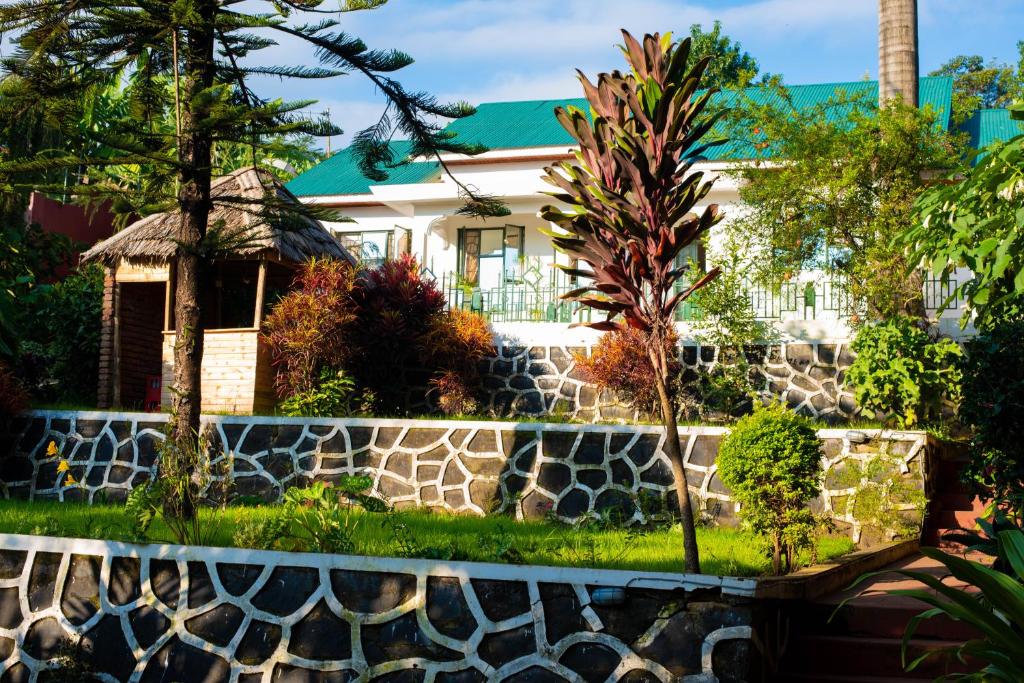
261,255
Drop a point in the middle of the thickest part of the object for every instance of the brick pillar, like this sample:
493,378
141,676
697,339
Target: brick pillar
106,393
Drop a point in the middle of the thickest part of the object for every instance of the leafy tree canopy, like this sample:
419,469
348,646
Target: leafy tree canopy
979,84
730,66
844,187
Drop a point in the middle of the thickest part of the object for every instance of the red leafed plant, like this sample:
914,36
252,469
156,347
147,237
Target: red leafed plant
456,343
308,329
13,396
628,208
619,362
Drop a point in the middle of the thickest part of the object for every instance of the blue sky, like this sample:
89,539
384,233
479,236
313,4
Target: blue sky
487,50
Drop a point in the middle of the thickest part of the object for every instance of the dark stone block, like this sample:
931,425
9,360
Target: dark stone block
233,432
285,673
139,479
89,429
218,625
575,504
483,493
705,450
592,479
731,659
639,676
620,504
334,445
418,437
104,449
372,592
125,452
16,468
119,474
629,622
47,476
259,642
522,382
502,402
321,635
402,676
502,647
278,465
455,498
10,608
644,449
238,578
6,647
554,477
592,661
826,354
148,625
18,673
393,488
107,650
177,661
447,608
464,676
12,563
621,473
484,466
402,638
658,474
124,580
453,475
359,437
200,587
94,477
34,435
42,580
484,441
286,590
561,611
524,461
45,638
258,486
530,403
149,448
165,581
308,445
536,505
716,485
400,464
590,451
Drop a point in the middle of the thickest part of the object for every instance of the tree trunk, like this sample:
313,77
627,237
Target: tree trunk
194,153
674,451
897,51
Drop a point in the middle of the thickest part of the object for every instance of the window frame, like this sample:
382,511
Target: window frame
505,231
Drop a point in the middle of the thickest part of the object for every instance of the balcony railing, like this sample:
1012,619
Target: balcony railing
536,297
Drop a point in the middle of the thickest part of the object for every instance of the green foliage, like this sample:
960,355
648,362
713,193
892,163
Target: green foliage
903,374
771,461
993,407
731,66
804,215
883,500
978,84
61,342
335,395
976,221
992,603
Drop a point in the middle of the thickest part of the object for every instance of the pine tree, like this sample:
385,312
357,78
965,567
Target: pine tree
195,62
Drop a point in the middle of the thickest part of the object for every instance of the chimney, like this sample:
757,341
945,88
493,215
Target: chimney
897,51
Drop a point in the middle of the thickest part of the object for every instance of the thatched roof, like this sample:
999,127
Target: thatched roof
247,209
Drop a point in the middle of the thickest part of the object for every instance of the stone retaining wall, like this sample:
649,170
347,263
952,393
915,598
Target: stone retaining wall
542,380
529,470
178,613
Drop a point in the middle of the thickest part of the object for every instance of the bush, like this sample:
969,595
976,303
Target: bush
308,329
59,354
619,362
13,397
771,461
386,328
902,374
993,406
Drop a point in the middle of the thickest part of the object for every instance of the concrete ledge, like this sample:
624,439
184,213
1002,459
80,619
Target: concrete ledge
812,582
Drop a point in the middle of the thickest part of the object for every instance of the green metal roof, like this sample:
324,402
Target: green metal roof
517,125
988,126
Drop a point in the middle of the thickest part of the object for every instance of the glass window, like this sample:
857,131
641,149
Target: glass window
490,257
374,248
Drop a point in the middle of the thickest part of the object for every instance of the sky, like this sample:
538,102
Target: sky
492,50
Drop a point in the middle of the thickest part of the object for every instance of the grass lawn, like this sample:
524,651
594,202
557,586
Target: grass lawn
439,536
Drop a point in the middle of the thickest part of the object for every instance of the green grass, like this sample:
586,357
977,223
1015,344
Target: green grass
483,539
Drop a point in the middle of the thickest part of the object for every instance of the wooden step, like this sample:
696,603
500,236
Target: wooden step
866,656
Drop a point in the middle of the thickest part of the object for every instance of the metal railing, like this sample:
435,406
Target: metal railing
939,293
536,297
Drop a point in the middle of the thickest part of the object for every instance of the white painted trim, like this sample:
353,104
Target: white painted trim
729,585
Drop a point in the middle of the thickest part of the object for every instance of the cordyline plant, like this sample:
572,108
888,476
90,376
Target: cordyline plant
631,195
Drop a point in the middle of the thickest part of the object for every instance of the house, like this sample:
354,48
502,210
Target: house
504,268
262,251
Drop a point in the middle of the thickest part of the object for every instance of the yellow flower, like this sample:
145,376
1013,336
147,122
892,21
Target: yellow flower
51,450
63,466
69,480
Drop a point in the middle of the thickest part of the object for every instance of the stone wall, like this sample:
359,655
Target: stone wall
178,613
526,469
542,380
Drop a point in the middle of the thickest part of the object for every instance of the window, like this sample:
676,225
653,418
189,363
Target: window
373,247
490,257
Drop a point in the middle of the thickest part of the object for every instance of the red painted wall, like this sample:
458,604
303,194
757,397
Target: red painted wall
84,227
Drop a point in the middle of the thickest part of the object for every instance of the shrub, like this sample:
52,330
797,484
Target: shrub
771,461
335,395
902,373
13,397
993,406
619,362
308,329
453,347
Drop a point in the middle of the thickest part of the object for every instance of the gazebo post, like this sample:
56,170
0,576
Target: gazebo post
107,391
261,288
